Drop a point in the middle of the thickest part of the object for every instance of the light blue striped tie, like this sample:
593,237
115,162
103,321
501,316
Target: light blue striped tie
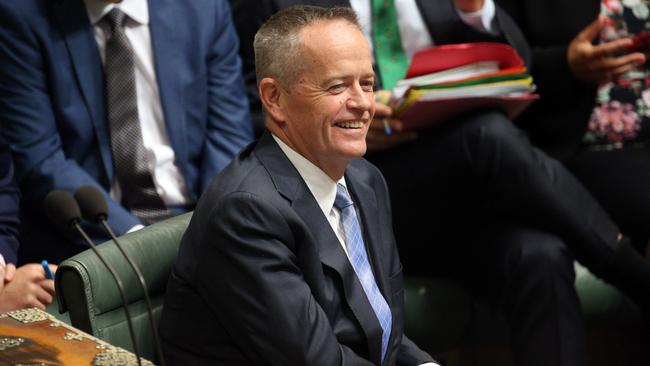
359,261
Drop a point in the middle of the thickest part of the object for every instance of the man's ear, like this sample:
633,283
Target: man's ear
270,94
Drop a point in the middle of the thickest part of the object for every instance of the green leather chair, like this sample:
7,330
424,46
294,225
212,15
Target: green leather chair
86,289
441,317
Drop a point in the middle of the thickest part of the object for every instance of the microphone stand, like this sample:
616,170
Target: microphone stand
118,282
138,273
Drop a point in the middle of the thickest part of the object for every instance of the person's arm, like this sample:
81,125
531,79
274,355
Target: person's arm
596,63
408,348
229,128
249,15
9,206
25,287
29,123
380,136
249,257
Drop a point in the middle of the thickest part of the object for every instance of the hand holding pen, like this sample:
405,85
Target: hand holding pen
385,131
382,97
26,286
47,270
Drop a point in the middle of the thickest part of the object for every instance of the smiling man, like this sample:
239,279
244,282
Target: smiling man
290,257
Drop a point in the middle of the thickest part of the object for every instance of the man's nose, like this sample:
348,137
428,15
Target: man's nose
360,99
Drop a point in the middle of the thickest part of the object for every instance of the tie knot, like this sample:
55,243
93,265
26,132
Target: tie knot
343,199
115,19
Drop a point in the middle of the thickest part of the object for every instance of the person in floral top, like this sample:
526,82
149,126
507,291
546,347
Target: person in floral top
590,67
622,112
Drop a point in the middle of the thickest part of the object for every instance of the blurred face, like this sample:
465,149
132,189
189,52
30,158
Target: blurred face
325,114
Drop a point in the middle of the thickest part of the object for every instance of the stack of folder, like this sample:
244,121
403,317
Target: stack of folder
445,81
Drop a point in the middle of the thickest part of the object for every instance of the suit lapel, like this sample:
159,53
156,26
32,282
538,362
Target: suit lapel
438,15
291,186
71,18
365,195
162,15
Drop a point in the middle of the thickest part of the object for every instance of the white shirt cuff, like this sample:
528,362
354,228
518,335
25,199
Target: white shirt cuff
135,228
429,364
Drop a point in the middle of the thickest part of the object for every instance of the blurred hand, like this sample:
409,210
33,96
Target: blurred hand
469,6
28,287
10,271
596,63
377,138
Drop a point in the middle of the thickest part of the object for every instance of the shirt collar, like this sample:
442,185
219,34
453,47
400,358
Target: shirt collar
322,187
136,10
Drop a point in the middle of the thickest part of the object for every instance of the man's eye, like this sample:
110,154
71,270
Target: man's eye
337,88
367,86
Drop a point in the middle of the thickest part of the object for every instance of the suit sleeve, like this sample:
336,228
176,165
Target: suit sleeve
30,125
271,313
9,197
549,48
557,120
229,128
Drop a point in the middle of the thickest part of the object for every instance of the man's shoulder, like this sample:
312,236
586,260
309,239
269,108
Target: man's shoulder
201,10
245,173
26,9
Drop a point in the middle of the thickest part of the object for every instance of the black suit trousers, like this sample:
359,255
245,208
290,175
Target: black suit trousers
495,210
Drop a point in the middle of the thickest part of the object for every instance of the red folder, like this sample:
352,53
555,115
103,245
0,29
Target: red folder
425,114
449,56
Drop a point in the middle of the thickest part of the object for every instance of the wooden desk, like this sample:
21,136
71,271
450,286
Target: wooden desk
35,337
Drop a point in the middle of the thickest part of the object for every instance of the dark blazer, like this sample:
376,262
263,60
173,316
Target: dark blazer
261,278
9,198
558,120
52,99
440,17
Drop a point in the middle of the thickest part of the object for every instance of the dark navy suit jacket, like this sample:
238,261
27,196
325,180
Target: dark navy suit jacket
9,197
557,121
53,112
261,278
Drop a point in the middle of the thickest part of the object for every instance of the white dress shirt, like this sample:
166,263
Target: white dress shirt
167,177
413,32
323,188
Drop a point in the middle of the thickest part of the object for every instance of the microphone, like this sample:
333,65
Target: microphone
94,209
61,208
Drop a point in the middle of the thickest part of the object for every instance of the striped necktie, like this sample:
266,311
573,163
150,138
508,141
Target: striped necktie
361,265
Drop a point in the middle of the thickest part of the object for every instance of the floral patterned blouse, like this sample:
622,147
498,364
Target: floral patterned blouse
621,117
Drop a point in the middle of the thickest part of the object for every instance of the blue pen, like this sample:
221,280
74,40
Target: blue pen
46,268
387,130
383,97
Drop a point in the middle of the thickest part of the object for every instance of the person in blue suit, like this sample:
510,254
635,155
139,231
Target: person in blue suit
54,105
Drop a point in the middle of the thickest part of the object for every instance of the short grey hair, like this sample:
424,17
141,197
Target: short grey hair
277,42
